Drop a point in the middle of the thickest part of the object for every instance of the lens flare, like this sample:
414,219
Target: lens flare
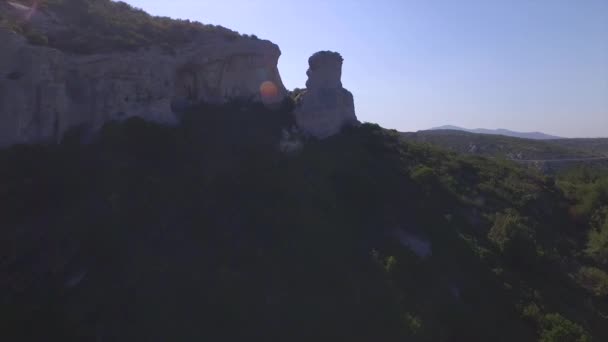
269,92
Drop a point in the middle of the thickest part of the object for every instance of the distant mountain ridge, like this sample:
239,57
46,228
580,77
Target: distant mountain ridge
500,131
501,146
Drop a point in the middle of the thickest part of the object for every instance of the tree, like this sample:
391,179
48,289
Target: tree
513,237
597,245
556,328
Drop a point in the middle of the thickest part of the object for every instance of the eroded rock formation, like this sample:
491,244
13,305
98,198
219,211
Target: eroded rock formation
44,92
324,108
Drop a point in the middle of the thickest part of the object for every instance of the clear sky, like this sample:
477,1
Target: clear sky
527,65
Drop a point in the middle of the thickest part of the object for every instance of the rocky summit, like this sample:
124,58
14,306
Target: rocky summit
44,91
55,75
325,107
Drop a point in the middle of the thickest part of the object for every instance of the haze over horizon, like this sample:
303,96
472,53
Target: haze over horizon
412,65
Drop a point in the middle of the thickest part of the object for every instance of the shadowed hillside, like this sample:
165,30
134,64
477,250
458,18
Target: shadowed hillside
207,231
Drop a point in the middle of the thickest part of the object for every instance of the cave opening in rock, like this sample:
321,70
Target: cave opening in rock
186,91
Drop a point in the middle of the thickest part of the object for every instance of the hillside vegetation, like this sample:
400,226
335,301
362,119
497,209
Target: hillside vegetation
593,145
207,231
500,146
97,26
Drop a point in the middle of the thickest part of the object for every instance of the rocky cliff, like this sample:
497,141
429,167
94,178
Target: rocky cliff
325,107
44,90
70,63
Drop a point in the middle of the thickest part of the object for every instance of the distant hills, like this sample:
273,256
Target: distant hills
498,146
500,131
501,146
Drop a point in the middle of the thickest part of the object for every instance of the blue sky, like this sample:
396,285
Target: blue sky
527,65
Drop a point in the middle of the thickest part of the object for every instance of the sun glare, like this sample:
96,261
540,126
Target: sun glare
269,92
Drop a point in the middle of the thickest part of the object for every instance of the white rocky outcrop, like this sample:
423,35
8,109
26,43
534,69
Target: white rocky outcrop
324,108
44,92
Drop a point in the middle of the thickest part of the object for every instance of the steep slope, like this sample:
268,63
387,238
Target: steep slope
207,231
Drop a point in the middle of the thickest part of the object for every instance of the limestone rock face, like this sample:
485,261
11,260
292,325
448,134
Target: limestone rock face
44,92
325,107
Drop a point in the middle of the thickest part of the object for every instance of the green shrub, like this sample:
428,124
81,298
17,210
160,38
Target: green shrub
512,236
590,197
594,280
597,244
556,328
532,312
37,38
390,264
413,323
423,174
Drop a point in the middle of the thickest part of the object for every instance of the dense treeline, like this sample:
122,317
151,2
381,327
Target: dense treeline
208,231
588,188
